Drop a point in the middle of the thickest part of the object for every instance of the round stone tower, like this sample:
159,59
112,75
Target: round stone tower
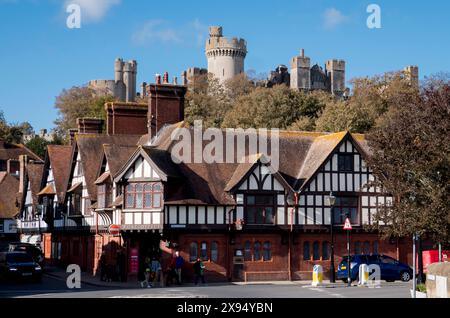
225,56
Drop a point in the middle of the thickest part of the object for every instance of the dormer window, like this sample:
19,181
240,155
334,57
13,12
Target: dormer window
260,209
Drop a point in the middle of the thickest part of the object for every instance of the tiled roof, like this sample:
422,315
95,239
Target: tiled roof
59,157
13,151
9,186
90,147
34,172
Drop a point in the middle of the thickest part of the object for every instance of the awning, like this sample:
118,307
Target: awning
74,187
118,201
102,178
48,190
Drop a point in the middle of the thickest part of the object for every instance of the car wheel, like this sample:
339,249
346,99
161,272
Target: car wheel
405,276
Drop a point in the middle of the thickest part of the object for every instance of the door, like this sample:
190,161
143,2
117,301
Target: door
389,268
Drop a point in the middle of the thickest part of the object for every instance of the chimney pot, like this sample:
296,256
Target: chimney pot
166,78
158,79
175,81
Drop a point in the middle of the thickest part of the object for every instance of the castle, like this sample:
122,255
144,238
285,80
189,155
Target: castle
123,87
225,56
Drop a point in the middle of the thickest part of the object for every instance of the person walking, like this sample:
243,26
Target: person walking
199,271
155,268
177,264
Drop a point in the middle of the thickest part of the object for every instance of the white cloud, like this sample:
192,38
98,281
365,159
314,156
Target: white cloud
93,10
332,18
160,31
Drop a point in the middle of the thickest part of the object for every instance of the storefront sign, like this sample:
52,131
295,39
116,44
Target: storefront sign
134,261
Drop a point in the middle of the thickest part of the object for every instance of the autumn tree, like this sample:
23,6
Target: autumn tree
371,98
411,159
78,102
277,107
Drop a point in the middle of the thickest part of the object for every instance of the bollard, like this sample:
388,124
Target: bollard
363,274
317,275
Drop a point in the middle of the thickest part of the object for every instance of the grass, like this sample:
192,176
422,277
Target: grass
422,288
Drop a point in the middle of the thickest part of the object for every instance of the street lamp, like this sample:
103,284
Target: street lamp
331,202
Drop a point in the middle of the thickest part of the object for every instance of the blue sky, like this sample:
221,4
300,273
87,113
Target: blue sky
39,55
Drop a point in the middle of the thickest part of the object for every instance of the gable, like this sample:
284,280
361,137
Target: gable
260,178
141,169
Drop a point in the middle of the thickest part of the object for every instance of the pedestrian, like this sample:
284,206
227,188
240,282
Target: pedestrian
102,265
155,268
199,271
177,264
170,275
147,273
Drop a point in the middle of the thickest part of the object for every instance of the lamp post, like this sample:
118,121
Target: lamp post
331,202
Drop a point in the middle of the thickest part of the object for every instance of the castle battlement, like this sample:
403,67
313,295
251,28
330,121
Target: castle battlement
225,55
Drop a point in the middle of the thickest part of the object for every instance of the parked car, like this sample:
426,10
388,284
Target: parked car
391,269
19,265
34,251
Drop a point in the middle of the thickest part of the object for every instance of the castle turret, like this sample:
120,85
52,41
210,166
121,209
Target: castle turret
411,73
301,72
129,79
336,73
225,56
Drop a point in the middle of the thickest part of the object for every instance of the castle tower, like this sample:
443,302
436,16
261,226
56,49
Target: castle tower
336,73
411,73
129,79
301,72
225,56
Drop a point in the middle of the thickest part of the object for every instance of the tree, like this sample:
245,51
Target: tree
78,102
13,133
372,97
411,160
277,107
38,145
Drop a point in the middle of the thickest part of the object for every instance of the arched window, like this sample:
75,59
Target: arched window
193,251
316,251
257,251
357,247
214,251
325,251
248,251
375,247
306,251
204,251
267,252
366,247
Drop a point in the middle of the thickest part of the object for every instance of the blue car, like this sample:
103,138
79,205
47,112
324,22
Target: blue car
391,269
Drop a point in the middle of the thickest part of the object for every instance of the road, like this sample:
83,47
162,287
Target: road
54,288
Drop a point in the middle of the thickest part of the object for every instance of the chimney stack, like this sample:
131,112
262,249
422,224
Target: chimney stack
72,133
166,106
90,125
23,162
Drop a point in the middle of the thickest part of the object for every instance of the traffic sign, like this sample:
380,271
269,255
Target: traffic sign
347,224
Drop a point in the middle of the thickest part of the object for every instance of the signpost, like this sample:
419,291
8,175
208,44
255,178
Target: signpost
348,228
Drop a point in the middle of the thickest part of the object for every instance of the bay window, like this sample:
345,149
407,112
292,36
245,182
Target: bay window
143,195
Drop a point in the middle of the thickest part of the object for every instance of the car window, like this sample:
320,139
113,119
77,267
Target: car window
388,260
373,259
18,258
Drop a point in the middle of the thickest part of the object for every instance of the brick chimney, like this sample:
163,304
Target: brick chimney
72,133
165,105
90,125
